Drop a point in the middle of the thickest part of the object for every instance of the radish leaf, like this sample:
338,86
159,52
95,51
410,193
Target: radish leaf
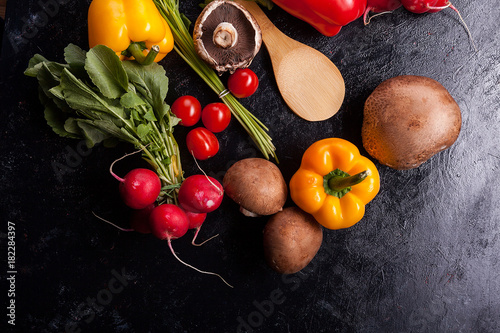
143,130
106,71
92,134
81,97
131,100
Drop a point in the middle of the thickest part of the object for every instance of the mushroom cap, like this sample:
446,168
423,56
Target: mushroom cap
247,39
291,239
257,185
407,119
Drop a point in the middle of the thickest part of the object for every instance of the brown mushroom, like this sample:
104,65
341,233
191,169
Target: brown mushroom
291,240
408,119
257,185
226,36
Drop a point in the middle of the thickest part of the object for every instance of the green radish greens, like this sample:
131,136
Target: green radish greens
99,98
184,46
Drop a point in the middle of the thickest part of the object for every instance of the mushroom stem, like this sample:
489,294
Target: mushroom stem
225,35
248,213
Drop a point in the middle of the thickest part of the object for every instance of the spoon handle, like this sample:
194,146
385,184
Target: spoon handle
254,9
274,39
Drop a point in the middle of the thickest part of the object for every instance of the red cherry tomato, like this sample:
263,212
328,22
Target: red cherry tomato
216,117
243,82
202,143
188,109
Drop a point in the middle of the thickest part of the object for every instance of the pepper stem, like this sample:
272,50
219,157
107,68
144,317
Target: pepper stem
338,183
136,51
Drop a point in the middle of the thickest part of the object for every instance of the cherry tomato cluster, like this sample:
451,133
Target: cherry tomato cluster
201,141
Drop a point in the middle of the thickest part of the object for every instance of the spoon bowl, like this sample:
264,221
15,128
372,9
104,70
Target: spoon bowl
309,82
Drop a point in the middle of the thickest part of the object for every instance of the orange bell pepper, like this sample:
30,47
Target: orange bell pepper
130,26
334,183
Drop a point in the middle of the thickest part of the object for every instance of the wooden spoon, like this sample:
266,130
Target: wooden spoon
309,82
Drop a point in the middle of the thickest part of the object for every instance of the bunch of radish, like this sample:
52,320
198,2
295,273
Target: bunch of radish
415,6
198,195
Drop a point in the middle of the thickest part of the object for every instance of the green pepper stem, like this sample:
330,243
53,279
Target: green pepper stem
338,183
136,51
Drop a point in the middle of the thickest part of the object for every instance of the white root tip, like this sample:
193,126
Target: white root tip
192,267
109,222
119,159
450,5
196,235
465,26
367,18
208,178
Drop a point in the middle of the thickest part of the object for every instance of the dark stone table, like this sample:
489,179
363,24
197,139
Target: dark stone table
425,258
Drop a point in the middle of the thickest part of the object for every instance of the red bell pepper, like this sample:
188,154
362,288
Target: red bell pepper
327,16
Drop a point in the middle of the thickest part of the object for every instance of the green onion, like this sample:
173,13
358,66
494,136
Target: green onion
184,46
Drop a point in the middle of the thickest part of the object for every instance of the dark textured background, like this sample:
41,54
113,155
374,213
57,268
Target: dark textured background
425,258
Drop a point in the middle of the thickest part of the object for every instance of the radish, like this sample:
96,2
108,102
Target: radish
139,221
195,222
169,222
195,219
434,6
418,6
200,194
139,188
379,7
440,5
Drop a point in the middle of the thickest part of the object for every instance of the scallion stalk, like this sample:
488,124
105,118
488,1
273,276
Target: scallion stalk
184,46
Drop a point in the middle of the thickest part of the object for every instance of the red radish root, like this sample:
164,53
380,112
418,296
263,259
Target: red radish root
447,4
114,225
196,269
140,187
170,222
379,7
196,220
418,6
139,221
200,194
434,6
206,240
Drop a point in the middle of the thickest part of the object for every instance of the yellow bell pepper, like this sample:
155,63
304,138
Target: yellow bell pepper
123,24
334,183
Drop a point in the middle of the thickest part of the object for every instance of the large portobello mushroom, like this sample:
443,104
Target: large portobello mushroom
408,119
